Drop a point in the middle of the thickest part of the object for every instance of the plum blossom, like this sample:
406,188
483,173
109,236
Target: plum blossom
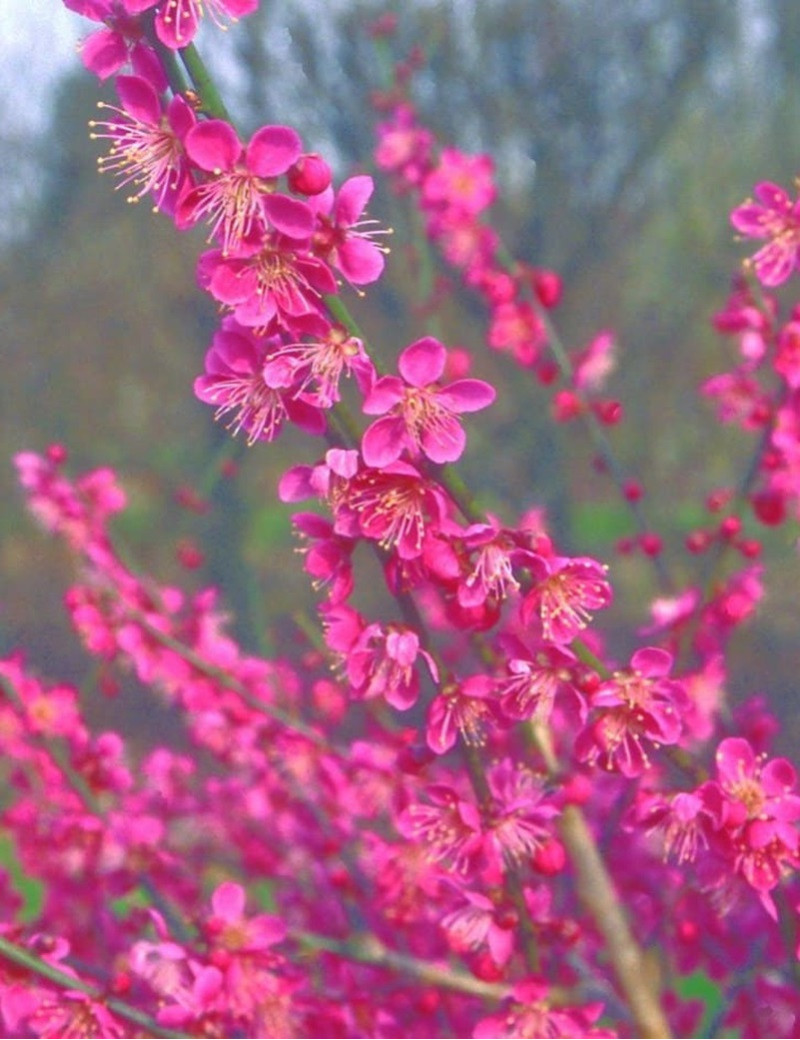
316,367
478,922
463,708
146,142
234,382
638,708
378,660
758,810
177,21
418,414
530,1013
120,42
563,598
447,825
239,198
773,216
394,506
270,277
462,182
342,237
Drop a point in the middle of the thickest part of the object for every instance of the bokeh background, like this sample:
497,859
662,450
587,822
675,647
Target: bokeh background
623,133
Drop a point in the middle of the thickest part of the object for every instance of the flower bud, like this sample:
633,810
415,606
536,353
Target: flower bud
310,175
550,858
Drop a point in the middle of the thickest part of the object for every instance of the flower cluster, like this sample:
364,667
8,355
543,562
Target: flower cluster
457,808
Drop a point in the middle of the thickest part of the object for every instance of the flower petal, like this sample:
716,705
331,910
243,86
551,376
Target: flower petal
272,150
213,145
423,361
383,442
466,395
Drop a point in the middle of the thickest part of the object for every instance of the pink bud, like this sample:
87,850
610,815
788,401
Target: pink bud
310,175
550,858
548,288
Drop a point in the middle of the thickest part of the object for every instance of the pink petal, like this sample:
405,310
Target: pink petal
213,145
423,361
501,945
342,461
735,758
272,150
447,443
749,219
466,395
306,416
228,901
147,64
383,442
360,261
290,216
104,52
773,196
98,10
139,99
181,116
402,647
778,776
353,197
239,8
231,284
652,661
774,263
441,732
176,33
295,484
385,394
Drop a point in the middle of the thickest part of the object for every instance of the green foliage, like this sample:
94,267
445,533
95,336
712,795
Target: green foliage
30,890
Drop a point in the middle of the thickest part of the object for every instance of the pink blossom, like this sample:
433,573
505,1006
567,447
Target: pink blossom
342,237
740,398
496,551
146,143
239,198
593,365
564,596
534,678
121,41
774,217
521,813
637,708
177,21
464,708
478,922
422,415
379,661
530,1013
751,321
316,367
231,930
517,328
758,812
327,557
69,1013
234,382
394,506
403,145
787,357
268,278
462,182
448,826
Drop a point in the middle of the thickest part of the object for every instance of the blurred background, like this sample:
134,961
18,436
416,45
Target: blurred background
622,133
